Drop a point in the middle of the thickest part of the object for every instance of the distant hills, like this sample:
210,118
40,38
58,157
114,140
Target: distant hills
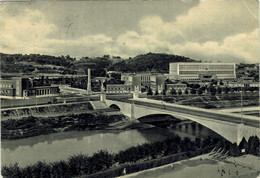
36,63
154,62
18,63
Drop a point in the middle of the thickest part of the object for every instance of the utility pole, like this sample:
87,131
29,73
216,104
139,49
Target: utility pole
241,104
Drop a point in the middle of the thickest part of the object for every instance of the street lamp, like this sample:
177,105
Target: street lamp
241,104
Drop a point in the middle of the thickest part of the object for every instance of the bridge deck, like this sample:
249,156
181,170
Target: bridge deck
211,114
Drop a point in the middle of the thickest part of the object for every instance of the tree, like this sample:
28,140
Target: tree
173,91
200,91
234,150
180,92
219,90
214,82
226,89
253,145
186,91
164,92
149,91
193,91
243,145
212,90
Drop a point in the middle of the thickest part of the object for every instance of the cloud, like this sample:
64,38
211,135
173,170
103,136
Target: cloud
32,33
211,30
238,48
214,20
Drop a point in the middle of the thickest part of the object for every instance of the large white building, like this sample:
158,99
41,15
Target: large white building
202,71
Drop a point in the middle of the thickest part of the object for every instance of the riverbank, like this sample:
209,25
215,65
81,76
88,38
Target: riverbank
246,166
50,110
33,126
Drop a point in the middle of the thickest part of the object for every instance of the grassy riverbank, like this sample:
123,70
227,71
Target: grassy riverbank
46,111
217,101
246,166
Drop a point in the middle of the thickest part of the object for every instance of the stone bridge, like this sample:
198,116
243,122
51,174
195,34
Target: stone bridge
232,131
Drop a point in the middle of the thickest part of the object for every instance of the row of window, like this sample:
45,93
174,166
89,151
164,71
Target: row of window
145,78
206,72
41,92
6,92
118,88
6,86
205,67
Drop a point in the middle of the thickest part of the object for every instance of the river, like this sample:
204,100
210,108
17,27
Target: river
59,146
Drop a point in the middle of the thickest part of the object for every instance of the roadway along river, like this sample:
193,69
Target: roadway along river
60,146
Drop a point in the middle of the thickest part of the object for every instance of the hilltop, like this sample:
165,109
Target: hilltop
154,62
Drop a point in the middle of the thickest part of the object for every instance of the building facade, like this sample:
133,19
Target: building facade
118,88
177,87
19,87
144,80
191,71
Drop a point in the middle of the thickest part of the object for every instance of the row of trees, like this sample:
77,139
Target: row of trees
80,164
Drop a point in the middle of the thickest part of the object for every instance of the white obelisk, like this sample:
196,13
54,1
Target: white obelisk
89,81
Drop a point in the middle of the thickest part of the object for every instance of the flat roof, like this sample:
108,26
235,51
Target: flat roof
200,63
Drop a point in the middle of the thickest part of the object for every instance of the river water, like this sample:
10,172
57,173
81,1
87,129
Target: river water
60,146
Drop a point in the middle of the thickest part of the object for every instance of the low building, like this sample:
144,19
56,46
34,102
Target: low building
243,84
20,87
254,84
177,87
118,88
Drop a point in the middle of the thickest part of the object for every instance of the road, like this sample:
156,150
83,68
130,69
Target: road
216,115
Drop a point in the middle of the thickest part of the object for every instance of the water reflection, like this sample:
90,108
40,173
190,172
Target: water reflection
60,146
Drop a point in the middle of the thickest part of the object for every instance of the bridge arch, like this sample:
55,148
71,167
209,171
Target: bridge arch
115,107
158,118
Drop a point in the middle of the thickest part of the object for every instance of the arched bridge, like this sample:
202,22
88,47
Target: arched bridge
231,126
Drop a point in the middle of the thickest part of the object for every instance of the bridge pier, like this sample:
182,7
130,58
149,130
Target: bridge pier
133,111
135,95
103,97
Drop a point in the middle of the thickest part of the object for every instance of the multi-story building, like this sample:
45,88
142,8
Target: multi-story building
19,87
202,71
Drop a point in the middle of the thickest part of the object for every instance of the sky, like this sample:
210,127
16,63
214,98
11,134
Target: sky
207,30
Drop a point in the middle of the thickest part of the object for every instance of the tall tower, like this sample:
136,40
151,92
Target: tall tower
89,81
